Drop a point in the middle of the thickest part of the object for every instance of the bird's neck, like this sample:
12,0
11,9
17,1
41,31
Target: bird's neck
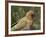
29,18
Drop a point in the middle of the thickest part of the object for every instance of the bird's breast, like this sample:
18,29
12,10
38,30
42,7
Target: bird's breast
29,22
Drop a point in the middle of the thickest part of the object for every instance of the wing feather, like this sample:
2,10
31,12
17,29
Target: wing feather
21,24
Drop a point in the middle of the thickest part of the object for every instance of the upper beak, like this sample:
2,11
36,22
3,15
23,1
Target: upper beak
33,15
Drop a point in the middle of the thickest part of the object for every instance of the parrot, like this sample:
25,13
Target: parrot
25,22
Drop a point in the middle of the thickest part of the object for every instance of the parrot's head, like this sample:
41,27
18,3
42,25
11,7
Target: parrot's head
30,14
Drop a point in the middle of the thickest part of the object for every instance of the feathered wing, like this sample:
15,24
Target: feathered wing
21,24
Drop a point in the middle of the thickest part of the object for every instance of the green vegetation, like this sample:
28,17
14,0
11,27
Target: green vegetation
17,12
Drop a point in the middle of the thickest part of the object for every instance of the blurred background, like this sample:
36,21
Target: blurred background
17,12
